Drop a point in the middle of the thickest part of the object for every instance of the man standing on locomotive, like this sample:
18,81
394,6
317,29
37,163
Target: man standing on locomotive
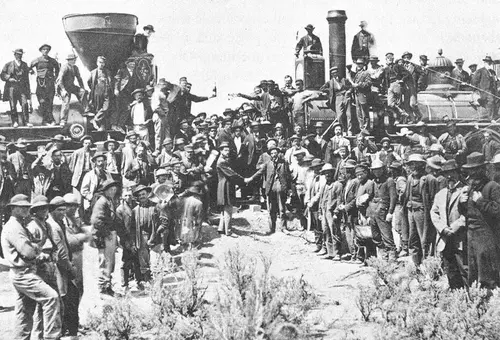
47,70
362,84
101,89
485,79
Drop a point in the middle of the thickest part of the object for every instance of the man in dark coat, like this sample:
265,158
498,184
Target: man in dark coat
485,78
362,85
278,186
47,70
101,89
310,43
66,87
335,89
480,203
362,43
15,74
225,188
125,83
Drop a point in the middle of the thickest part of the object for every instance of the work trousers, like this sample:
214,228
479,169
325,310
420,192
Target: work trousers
350,235
331,233
400,224
488,108
48,272
299,118
107,261
382,235
71,303
417,242
362,110
144,256
80,93
32,290
454,265
225,220
45,95
316,226
130,262
161,130
276,201
347,117
483,257
17,96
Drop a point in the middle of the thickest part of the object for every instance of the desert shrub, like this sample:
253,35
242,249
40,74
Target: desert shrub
367,301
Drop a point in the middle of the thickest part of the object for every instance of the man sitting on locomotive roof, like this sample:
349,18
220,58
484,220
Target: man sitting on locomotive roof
47,70
461,76
66,87
310,43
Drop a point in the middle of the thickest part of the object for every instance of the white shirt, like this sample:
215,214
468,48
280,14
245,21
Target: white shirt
237,142
138,114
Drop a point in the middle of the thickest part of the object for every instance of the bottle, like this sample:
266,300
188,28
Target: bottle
214,91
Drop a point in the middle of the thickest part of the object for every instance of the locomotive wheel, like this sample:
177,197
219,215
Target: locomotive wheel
76,131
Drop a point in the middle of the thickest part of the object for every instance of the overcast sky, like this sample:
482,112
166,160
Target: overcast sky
238,43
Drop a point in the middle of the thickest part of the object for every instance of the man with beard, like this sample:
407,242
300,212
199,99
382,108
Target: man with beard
400,219
485,79
453,142
113,159
254,148
335,90
92,181
480,203
382,210
394,78
141,116
364,148
166,155
451,227
129,150
461,75
104,223
80,162
278,186
15,74
141,169
101,89
47,70
333,146
298,102
125,83
22,161
386,154
314,183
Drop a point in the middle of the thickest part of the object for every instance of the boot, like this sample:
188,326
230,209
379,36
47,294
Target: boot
124,276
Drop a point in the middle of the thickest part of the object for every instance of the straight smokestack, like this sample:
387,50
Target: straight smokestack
336,22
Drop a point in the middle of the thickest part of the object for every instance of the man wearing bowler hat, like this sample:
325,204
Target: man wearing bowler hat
362,43
104,224
480,203
23,254
462,77
47,70
66,87
15,74
485,79
451,242
309,43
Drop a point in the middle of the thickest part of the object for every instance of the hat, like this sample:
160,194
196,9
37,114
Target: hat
449,165
472,65
71,56
474,160
167,140
203,126
308,158
360,61
162,81
161,172
316,162
377,164
265,123
272,140
488,58
459,61
212,127
111,140
131,133
404,132
149,27
182,79
374,58
273,148
434,162
179,141
389,53
87,137
21,143
43,46
224,145
385,139
98,155
19,200
254,124
336,124
363,23
318,125
423,57
71,199
130,60
327,167
137,91
350,164
416,157
278,126
149,88
300,151
57,201
18,51
395,165
228,111
294,137
204,114
361,167
140,188
188,147
496,159
406,54
237,126
436,148
60,138
38,202
309,27
109,183
334,68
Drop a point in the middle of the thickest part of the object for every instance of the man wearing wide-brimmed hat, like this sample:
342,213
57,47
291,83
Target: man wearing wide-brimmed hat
113,158
23,254
461,76
453,142
22,161
450,225
92,181
335,89
333,146
480,202
47,70
15,74
66,87
104,224
125,82
310,43
314,183
485,79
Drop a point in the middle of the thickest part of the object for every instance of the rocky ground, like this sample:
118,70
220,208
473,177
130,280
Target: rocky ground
336,317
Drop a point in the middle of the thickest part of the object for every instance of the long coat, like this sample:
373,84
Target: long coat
445,214
103,103
276,170
66,270
190,219
76,165
227,179
21,74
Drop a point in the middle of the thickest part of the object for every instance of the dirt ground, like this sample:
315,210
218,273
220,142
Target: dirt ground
336,317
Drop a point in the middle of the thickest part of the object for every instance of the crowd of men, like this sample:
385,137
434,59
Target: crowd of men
152,192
